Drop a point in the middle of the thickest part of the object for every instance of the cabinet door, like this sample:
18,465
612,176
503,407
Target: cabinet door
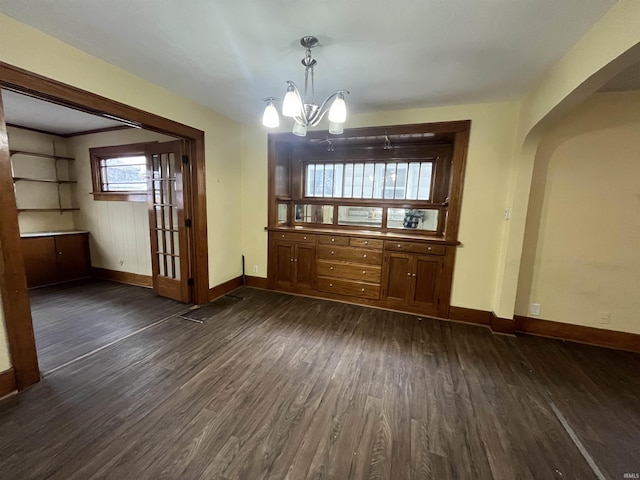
285,254
72,254
305,262
397,276
39,254
426,273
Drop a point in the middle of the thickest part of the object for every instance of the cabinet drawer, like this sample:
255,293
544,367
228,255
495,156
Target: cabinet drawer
415,247
349,254
363,273
332,240
294,237
351,289
366,243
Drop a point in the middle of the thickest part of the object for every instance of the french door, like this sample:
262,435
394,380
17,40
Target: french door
169,239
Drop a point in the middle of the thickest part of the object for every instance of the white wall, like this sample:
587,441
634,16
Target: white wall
119,237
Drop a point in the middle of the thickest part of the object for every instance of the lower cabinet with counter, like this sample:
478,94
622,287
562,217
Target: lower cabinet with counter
413,276
54,257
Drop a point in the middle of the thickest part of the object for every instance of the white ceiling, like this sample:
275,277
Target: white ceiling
33,113
229,54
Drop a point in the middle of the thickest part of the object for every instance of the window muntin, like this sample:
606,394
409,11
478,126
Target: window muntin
402,180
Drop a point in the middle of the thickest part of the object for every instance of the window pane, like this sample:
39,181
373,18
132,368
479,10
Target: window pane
338,179
390,181
311,172
358,179
314,214
413,219
136,160
401,181
328,180
318,186
424,188
367,191
283,209
378,183
348,180
362,216
413,178
126,187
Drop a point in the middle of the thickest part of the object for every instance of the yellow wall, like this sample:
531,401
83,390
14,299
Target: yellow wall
489,165
31,49
582,245
119,230
37,194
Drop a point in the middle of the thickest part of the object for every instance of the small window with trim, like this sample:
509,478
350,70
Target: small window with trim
119,172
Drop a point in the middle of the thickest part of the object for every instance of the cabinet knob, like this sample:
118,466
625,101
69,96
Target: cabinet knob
332,252
363,290
59,253
330,268
399,245
283,235
366,242
365,255
428,248
304,238
295,260
408,274
333,239
413,275
364,272
331,284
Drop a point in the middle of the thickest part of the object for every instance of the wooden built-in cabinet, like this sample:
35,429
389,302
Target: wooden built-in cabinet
411,276
370,216
55,257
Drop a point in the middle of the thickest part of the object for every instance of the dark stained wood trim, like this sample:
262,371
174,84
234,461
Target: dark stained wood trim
122,277
458,165
13,279
97,130
120,197
257,282
36,130
224,288
470,315
17,312
502,325
578,333
7,382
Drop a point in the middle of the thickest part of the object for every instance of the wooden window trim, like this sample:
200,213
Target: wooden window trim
98,153
446,140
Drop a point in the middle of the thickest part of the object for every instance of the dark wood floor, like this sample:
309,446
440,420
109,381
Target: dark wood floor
277,386
76,318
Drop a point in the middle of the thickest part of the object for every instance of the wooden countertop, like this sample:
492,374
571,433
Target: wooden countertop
52,233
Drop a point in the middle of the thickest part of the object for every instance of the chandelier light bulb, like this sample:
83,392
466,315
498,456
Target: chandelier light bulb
270,118
338,111
291,105
336,128
299,130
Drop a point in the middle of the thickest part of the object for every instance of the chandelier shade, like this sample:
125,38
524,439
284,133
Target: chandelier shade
302,107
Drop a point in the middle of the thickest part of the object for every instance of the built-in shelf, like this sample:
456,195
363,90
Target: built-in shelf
45,180
42,155
20,210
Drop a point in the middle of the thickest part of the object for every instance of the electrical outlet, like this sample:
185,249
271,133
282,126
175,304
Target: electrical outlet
604,318
507,213
255,269
534,309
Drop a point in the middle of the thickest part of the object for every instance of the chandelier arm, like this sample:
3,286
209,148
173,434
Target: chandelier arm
302,118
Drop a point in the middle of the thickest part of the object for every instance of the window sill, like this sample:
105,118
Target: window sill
120,196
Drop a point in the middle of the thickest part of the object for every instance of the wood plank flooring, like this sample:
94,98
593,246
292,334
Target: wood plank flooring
284,387
73,319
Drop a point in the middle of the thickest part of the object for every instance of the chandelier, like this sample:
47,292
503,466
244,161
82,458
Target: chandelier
302,108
